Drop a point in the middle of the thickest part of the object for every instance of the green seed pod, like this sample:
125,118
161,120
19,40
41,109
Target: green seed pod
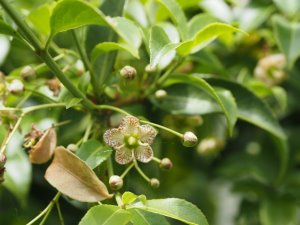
154,183
115,182
189,139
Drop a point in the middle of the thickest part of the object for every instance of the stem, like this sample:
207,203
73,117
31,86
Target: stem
113,108
127,170
15,15
110,167
119,199
11,133
163,128
46,211
165,76
140,171
87,133
44,106
156,160
61,219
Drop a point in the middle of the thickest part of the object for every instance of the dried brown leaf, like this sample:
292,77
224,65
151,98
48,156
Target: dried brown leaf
43,150
72,176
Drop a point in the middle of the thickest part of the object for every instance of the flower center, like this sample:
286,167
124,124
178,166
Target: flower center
131,141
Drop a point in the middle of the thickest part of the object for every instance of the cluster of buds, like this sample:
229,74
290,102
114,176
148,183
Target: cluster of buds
270,69
2,167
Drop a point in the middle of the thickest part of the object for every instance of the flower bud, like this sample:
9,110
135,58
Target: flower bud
160,94
72,147
154,183
166,164
16,87
27,73
189,139
128,72
54,86
2,160
115,182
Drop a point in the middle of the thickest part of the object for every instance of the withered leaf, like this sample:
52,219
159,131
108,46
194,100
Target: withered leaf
73,177
43,150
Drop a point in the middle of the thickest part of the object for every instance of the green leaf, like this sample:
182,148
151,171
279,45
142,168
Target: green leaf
278,210
144,218
159,45
289,7
93,153
70,14
287,35
198,22
227,107
177,15
177,209
112,46
218,9
128,197
106,215
18,171
204,37
71,102
191,100
250,107
40,18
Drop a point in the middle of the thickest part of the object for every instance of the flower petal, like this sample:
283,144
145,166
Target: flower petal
129,125
147,134
113,137
143,153
123,155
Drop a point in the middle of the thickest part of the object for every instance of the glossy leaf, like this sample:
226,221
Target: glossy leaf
93,153
204,37
140,217
40,18
202,84
174,208
198,22
106,215
70,14
177,15
105,47
250,107
287,35
73,177
277,210
128,197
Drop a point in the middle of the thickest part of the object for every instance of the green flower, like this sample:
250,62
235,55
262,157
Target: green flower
131,140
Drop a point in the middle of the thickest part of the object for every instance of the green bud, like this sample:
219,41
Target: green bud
189,139
27,73
154,183
72,147
160,94
128,72
115,182
16,87
166,164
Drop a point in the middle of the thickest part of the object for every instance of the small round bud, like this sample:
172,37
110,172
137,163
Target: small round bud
160,94
27,73
166,164
189,139
128,72
54,86
2,160
72,147
209,145
154,183
115,182
16,87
